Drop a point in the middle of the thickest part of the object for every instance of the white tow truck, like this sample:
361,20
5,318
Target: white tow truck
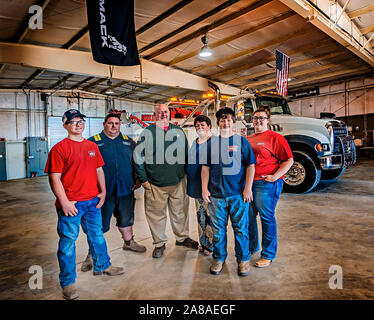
322,148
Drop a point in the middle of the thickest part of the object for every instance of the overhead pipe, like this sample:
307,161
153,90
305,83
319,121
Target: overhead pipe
217,95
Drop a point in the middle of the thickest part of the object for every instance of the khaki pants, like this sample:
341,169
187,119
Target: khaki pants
156,200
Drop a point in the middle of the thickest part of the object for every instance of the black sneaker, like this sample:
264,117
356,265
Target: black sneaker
189,243
158,251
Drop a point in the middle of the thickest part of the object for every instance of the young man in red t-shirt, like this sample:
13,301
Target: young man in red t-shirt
74,167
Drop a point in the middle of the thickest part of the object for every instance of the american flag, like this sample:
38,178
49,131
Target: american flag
282,65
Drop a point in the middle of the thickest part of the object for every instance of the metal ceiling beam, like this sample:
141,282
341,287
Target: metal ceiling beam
367,42
188,25
323,77
82,82
367,29
134,91
82,63
360,12
293,75
250,65
24,28
160,93
34,75
245,32
71,43
96,82
62,80
163,16
341,13
292,65
321,16
205,29
262,46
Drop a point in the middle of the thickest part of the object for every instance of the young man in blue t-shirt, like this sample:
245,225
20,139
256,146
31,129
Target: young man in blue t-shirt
227,187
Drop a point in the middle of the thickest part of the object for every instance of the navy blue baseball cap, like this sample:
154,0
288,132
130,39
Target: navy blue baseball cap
70,114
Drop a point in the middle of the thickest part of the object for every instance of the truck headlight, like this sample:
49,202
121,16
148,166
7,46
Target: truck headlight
321,147
330,130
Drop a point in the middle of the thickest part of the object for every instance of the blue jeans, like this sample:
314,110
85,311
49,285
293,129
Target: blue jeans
68,229
265,199
235,208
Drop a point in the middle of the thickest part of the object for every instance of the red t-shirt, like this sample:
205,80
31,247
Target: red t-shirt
270,149
165,128
77,162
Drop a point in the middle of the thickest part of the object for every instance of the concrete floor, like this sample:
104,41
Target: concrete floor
333,225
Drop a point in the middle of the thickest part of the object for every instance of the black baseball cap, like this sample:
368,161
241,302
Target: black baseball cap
223,111
70,114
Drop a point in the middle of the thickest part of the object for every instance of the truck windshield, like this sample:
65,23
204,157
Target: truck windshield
277,105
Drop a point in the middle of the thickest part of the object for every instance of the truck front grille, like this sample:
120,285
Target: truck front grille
340,132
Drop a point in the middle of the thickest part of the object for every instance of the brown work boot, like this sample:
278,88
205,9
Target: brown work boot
111,271
216,267
243,268
70,292
87,264
263,263
134,246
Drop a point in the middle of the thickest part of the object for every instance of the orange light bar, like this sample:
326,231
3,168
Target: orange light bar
188,102
185,103
211,95
223,97
208,95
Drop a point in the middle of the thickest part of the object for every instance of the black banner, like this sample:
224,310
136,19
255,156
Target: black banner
112,32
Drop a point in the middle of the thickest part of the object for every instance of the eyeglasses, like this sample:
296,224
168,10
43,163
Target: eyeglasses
75,123
259,118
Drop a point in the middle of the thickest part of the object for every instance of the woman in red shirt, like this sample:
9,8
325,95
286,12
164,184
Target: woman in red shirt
274,159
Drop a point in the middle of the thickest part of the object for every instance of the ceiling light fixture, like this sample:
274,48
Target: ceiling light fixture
205,51
109,90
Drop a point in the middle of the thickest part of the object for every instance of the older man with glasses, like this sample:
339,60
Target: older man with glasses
160,161
74,167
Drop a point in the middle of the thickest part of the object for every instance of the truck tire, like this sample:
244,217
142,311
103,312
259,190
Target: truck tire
332,174
304,174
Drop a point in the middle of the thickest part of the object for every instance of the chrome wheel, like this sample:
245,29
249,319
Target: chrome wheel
296,175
